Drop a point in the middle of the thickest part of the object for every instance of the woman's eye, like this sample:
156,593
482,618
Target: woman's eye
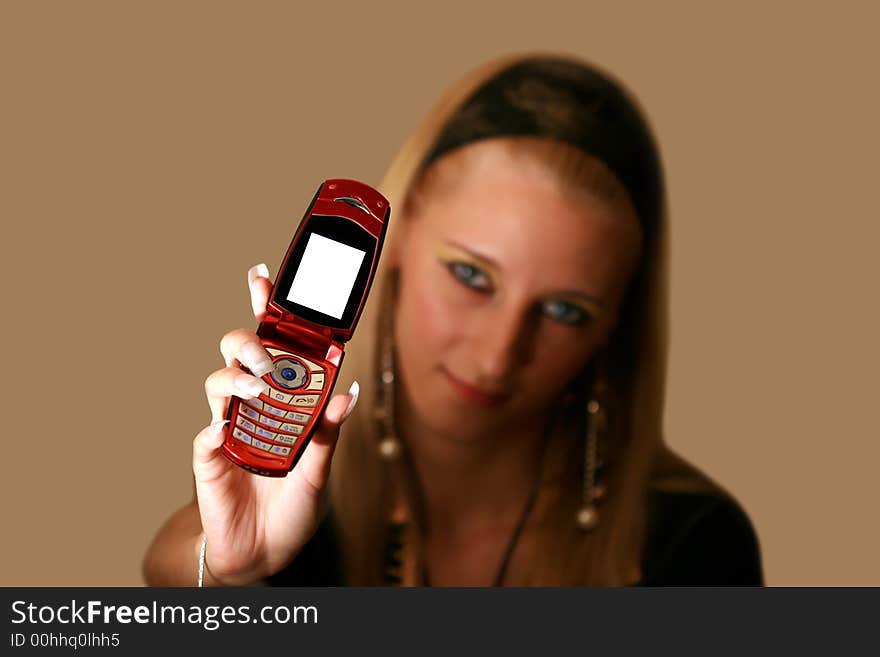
567,313
471,276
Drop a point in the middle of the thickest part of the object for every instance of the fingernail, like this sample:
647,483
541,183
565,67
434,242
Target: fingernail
354,391
257,359
217,427
257,270
250,385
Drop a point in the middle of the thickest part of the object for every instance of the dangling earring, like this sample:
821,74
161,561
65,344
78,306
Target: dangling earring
402,564
588,515
389,443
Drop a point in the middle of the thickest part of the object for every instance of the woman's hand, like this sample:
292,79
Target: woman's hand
256,525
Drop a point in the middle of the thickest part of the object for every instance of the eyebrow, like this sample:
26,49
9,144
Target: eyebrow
484,260
488,262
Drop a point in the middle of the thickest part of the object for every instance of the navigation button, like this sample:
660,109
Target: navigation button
289,374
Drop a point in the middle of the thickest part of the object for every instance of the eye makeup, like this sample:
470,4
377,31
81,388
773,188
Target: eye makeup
471,276
572,308
468,270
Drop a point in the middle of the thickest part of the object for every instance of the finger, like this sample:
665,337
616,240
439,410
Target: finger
229,381
260,288
208,462
313,470
244,346
353,393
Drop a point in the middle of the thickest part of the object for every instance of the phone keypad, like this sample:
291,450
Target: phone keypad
280,450
242,436
263,433
317,382
268,408
284,438
259,444
246,410
263,423
271,422
281,397
305,400
245,424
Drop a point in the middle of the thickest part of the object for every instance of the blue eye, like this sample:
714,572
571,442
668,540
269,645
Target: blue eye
471,276
564,312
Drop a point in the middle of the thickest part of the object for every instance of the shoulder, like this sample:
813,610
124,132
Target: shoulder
700,538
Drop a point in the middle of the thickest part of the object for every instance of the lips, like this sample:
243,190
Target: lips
474,394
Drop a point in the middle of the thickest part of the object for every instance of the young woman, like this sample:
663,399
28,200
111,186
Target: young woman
511,369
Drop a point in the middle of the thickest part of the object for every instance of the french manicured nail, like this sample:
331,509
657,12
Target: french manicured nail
256,358
354,391
257,270
250,385
217,427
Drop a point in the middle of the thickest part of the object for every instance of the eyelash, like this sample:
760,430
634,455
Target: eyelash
571,314
559,311
465,274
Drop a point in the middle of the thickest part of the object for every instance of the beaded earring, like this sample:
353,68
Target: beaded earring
592,491
399,567
588,515
390,450
389,443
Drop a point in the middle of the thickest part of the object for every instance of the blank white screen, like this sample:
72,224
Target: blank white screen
326,275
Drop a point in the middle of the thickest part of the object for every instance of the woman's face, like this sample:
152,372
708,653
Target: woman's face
508,285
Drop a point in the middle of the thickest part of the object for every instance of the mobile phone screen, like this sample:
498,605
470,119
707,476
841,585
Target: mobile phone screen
326,275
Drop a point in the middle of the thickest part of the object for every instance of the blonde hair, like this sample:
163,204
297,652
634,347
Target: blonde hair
563,165
363,490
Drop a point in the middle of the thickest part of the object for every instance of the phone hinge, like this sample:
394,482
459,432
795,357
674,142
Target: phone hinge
297,330
322,341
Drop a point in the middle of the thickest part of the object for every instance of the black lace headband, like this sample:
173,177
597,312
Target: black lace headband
565,100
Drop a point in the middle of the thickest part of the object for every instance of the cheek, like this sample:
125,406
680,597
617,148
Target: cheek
559,357
424,326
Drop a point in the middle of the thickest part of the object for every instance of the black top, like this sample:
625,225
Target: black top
693,539
699,539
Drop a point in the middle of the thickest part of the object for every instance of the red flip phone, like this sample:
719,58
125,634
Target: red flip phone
312,312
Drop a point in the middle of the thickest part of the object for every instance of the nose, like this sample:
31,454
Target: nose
504,343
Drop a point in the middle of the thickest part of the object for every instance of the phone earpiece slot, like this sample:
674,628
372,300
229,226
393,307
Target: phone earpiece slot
353,202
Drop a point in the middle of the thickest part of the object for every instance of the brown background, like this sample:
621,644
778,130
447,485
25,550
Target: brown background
152,152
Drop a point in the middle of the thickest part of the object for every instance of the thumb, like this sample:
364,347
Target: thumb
208,462
313,468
